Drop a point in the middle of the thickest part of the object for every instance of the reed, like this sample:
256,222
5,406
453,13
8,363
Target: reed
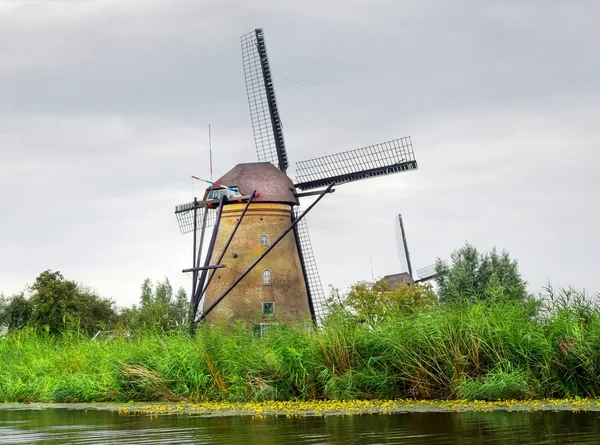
478,351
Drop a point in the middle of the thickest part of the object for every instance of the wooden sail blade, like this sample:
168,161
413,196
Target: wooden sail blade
375,160
185,216
264,114
426,273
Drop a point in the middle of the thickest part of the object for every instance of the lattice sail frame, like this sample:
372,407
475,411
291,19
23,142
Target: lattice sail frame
185,217
313,279
375,160
402,243
264,113
270,146
427,273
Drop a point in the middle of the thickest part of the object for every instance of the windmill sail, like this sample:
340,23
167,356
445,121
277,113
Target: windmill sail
402,246
376,160
266,124
311,272
185,217
426,273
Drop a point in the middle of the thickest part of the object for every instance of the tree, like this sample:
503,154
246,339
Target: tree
3,304
95,313
376,301
181,308
59,304
54,302
473,276
15,311
158,308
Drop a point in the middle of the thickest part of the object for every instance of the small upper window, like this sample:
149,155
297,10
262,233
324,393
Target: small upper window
268,308
264,240
267,278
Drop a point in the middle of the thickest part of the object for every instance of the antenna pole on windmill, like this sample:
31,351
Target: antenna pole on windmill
210,158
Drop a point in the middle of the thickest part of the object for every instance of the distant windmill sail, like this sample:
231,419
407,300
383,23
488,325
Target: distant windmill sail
403,246
426,273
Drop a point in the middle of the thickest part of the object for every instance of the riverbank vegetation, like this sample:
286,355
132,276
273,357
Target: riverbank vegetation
481,337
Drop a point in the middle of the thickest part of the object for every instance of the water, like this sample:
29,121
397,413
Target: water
69,426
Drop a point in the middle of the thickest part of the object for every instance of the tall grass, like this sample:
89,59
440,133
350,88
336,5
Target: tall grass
474,352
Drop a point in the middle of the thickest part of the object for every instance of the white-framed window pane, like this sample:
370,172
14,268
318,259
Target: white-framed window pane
264,240
267,278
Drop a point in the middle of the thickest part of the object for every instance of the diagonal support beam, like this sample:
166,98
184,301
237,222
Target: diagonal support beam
239,221
196,259
265,253
211,247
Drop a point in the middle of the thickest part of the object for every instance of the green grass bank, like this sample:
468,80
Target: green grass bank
476,352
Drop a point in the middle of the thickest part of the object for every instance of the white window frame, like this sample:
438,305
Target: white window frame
267,278
264,240
264,328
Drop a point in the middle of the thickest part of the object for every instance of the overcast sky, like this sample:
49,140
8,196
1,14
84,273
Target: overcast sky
105,105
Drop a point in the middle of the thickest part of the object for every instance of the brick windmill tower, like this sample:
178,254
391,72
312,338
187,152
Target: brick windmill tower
259,264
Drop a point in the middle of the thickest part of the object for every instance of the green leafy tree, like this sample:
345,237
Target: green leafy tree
94,313
59,305
159,309
15,311
54,302
376,301
473,276
181,308
3,304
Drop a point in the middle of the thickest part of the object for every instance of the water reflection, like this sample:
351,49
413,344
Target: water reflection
66,426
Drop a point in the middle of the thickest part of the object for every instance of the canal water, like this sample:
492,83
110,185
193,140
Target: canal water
69,426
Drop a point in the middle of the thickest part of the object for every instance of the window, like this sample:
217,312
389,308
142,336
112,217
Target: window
268,308
261,329
267,278
264,240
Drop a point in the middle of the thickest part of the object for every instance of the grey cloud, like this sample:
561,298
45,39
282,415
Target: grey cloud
104,109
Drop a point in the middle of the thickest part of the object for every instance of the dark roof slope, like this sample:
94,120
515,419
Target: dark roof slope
270,183
397,279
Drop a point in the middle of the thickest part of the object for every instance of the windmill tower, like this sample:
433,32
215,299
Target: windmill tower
276,286
406,276
259,264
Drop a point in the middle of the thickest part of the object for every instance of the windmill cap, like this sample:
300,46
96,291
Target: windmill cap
270,183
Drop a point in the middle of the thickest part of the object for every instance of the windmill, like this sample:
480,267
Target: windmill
259,263
405,275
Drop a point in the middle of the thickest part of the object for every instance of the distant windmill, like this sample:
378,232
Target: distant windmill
406,272
260,264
